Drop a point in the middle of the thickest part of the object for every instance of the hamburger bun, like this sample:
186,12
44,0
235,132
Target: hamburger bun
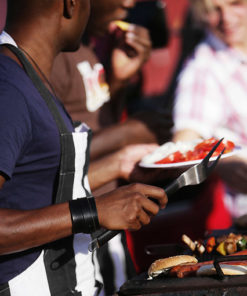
227,269
163,265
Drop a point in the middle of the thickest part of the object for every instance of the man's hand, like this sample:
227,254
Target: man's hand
129,207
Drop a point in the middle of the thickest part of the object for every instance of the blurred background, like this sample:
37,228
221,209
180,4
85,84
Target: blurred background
158,71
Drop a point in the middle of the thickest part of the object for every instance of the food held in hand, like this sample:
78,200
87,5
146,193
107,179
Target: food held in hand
164,265
124,26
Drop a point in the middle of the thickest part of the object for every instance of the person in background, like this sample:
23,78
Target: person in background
210,99
150,14
47,211
90,96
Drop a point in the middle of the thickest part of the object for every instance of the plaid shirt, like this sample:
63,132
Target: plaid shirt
211,99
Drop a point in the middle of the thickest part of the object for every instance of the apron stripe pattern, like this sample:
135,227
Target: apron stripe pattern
33,279
65,266
81,140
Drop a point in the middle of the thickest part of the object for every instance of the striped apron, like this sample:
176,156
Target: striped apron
64,267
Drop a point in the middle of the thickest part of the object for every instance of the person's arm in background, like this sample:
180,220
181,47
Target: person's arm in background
131,51
119,164
232,170
123,164
150,126
144,127
185,135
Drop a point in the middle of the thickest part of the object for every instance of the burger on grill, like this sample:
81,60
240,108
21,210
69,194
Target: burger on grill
164,265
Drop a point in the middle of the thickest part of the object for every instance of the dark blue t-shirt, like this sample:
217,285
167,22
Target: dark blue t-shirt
29,152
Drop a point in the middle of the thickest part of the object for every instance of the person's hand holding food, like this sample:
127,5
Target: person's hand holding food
133,50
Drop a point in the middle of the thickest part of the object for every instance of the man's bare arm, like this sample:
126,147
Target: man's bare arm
124,208
21,230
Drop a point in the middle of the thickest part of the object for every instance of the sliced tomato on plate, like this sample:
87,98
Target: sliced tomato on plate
208,144
172,158
229,146
199,151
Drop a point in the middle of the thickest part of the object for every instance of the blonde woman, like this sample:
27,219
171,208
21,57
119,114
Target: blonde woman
211,98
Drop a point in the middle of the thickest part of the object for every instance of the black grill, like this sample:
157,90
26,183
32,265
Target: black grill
188,286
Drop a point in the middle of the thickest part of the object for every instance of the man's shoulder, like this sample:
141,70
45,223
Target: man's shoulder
15,86
12,74
5,60
9,68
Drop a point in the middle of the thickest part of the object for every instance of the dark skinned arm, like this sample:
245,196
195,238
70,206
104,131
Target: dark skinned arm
21,230
119,164
143,127
125,208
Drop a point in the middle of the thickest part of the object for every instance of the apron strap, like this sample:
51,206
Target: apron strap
59,257
66,169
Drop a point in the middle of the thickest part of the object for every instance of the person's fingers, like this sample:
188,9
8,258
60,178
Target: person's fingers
140,35
144,42
144,218
142,51
152,192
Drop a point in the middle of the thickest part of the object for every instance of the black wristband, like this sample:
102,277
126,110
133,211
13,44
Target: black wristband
84,215
94,213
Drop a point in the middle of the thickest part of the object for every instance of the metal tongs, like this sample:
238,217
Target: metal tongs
193,176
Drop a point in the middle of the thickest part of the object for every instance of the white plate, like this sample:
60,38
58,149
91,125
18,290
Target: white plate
187,163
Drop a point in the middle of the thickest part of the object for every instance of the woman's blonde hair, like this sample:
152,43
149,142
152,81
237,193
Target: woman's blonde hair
200,9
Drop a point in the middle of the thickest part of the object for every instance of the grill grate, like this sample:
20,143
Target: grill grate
196,286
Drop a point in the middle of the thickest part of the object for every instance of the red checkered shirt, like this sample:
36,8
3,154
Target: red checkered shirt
211,98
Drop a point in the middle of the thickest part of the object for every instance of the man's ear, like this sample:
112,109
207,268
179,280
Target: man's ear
68,8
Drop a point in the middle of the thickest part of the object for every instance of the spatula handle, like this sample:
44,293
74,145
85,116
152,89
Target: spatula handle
103,238
172,188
